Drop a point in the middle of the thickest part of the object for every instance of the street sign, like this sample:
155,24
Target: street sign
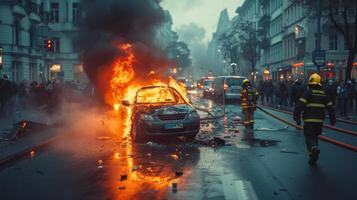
319,57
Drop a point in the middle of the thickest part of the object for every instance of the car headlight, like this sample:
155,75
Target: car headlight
193,115
146,117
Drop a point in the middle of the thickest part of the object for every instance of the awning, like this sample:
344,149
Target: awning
34,18
18,10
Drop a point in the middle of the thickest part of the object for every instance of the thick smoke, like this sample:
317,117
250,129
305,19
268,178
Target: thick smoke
106,24
193,35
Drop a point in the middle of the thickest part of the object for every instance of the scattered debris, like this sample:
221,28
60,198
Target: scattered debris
121,188
123,177
174,187
271,129
174,156
100,164
283,190
291,152
32,154
219,141
103,138
39,172
134,168
179,174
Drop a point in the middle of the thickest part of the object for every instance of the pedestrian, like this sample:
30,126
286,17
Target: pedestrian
297,91
355,93
283,93
331,90
261,91
248,102
342,97
312,104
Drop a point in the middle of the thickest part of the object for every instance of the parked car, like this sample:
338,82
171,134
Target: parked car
207,88
229,86
160,111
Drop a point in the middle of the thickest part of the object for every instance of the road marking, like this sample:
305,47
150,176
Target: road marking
237,189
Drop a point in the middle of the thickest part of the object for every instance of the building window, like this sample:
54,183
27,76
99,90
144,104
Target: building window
56,45
76,13
16,32
332,42
32,37
54,12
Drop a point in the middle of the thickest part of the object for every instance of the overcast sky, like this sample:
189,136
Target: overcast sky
203,12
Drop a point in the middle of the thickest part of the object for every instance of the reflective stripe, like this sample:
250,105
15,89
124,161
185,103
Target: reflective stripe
316,105
319,95
329,103
303,100
318,91
313,120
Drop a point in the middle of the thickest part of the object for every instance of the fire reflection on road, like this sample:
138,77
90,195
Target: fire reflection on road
149,170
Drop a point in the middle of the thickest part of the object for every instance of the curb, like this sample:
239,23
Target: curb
25,152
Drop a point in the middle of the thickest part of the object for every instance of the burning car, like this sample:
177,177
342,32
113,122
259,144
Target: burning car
161,111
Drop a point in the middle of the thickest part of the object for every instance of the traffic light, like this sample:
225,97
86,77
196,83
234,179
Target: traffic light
48,44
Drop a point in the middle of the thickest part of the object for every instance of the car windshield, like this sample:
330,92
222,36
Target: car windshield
234,81
208,83
157,95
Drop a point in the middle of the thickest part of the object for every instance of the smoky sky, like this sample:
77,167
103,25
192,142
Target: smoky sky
107,23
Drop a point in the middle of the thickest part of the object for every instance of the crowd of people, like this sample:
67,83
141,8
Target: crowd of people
46,96
286,93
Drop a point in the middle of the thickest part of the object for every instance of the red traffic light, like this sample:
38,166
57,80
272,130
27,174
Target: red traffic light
48,44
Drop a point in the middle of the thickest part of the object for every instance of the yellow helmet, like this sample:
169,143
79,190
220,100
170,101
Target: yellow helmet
315,79
245,81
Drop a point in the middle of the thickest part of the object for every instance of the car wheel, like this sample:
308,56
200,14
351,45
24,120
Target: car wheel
136,136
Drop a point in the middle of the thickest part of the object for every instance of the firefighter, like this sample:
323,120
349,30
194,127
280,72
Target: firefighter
312,105
249,97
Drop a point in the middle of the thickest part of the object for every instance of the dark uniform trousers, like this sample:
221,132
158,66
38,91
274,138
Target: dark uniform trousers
311,133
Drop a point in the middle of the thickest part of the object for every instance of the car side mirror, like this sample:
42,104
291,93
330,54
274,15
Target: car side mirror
125,103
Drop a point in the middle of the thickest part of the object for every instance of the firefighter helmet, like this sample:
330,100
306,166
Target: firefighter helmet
246,81
315,79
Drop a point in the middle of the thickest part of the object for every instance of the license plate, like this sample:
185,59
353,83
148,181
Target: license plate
174,126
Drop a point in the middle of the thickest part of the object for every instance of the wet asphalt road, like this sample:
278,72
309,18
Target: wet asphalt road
270,163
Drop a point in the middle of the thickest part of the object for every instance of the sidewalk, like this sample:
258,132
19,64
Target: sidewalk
32,139
10,150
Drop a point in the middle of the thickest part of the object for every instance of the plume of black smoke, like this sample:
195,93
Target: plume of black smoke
107,23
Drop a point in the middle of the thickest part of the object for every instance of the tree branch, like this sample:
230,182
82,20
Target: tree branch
335,23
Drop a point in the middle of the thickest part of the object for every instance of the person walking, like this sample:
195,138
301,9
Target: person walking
249,97
312,104
342,97
331,90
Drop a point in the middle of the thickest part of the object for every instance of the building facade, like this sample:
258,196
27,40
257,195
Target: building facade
219,64
26,26
292,41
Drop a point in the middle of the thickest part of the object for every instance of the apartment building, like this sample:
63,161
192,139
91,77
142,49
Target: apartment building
25,26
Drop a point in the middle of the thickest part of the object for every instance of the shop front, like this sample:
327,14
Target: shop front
284,73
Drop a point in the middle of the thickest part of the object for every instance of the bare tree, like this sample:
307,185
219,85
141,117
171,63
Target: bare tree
342,16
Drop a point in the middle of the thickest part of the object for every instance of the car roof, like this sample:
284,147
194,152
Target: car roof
231,77
154,86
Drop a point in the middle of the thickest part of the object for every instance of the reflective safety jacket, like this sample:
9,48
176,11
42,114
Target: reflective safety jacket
312,105
248,97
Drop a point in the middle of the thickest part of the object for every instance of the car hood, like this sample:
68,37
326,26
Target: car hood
166,109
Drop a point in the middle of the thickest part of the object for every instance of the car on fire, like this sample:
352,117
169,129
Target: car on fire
160,111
